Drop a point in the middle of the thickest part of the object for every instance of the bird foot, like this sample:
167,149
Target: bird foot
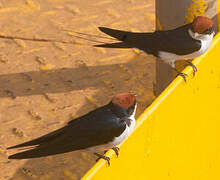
116,149
103,157
183,75
189,63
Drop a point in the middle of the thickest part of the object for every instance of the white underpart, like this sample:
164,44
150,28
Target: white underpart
119,139
206,41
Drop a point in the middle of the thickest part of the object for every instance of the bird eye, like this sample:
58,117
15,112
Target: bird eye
130,110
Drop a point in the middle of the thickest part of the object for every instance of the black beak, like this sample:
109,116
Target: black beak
209,31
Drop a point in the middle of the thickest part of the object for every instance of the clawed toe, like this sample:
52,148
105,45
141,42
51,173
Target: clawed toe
116,149
189,63
182,75
103,157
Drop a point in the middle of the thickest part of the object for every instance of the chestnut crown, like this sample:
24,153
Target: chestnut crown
124,100
203,25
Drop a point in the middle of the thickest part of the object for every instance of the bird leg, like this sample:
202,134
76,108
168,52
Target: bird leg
103,157
116,149
193,66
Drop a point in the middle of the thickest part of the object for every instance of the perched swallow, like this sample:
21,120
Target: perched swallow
102,128
185,42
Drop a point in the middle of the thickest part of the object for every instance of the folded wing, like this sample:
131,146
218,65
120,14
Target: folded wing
92,129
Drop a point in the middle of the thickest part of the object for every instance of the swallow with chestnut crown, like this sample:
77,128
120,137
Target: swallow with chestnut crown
100,129
183,43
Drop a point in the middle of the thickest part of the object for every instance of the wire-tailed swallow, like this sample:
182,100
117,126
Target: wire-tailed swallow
102,128
183,43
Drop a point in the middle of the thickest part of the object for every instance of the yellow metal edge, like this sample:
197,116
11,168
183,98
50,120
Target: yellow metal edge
144,116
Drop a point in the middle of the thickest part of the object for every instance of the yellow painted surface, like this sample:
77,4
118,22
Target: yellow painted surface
177,137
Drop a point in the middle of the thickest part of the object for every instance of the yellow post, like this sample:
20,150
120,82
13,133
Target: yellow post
171,14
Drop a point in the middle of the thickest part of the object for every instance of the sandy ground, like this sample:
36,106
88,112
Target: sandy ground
50,73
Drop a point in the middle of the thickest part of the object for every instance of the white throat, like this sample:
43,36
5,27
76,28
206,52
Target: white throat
201,37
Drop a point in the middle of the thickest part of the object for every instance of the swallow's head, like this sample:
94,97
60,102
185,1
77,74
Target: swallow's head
202,28
126,101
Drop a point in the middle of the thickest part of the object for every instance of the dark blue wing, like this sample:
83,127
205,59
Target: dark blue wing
176,41
95,128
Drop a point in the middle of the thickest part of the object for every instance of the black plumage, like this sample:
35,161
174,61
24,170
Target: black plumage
95,128
177,41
